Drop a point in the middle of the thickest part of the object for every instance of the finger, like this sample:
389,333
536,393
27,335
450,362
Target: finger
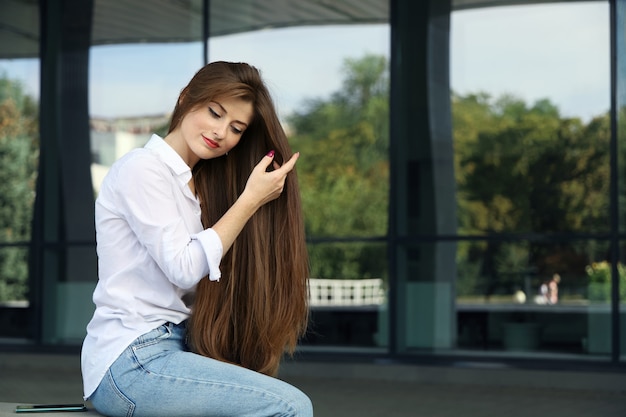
288,166
266,161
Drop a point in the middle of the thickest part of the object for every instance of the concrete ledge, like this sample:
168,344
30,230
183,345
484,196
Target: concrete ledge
8,409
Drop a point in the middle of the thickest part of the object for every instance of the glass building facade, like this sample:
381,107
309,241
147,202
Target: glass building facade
462,167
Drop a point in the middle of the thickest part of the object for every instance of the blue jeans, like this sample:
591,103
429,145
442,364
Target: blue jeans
157,376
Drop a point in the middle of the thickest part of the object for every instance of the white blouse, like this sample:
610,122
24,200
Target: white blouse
152,250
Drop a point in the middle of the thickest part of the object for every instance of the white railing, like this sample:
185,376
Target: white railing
346,292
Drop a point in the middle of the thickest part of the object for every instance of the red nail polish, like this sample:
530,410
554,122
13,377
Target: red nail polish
270,153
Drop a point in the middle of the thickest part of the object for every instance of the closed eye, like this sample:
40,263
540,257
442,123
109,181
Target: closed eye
214,113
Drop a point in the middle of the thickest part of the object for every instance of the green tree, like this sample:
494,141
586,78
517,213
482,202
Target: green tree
526,169
551,173
344,171
18,159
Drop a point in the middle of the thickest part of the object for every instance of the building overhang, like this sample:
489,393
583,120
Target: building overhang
160,21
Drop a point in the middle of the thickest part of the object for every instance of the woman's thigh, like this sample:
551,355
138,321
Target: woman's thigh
157,376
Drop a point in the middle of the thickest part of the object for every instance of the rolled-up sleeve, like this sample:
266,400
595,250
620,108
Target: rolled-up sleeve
212,245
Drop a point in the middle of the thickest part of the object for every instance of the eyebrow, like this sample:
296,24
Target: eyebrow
224,110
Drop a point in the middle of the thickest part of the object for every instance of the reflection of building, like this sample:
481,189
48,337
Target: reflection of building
422,317
112,138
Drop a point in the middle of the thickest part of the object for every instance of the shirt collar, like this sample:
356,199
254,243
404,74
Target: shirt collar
171,158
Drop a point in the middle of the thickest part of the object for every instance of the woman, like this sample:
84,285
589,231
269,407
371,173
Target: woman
202,262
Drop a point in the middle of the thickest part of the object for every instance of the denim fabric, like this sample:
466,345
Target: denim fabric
157,376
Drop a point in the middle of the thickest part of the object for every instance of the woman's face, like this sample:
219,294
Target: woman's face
211,130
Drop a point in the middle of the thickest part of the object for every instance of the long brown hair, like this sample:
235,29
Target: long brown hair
258,310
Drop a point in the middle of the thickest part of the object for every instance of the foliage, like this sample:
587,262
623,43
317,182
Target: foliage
18,158
519,168
599,274
525,169
344,169
552,172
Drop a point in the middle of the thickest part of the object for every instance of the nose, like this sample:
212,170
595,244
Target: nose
219,130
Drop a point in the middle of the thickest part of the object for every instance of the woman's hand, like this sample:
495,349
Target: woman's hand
264,186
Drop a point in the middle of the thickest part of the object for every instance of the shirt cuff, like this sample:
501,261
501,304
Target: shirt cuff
213,249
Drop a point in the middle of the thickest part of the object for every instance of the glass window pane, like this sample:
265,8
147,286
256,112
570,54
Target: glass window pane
530,118
347,295
534,296
19,148
19,158
16,314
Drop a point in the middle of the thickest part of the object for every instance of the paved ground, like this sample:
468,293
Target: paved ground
368,390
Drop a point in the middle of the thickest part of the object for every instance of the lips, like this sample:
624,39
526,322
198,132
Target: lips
210,143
